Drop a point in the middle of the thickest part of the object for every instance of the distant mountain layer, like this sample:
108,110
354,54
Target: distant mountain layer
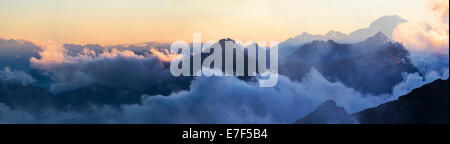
384,24
329,51
33,98
26,97
428,104
371,66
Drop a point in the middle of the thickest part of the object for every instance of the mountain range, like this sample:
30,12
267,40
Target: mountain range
366,60
385,24
428,104
374,65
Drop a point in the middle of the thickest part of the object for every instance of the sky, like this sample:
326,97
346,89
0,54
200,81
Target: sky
133,21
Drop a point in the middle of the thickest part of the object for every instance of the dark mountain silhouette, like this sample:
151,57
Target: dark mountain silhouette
377,72
330,51
35,98
328,113
428,104
371,66
96,94
247,59
27,97
32,98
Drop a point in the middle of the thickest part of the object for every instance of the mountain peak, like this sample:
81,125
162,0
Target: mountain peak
328,105
335,34
331,41
225,39
329,102
380,35
378,39
389,19
328,112
427,104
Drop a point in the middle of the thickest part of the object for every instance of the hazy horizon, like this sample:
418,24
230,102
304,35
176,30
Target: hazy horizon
121,22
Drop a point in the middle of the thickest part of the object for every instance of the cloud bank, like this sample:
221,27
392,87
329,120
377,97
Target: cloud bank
16,76
427,41
227,100
122,68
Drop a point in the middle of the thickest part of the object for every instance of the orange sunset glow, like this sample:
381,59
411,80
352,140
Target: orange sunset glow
123,21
